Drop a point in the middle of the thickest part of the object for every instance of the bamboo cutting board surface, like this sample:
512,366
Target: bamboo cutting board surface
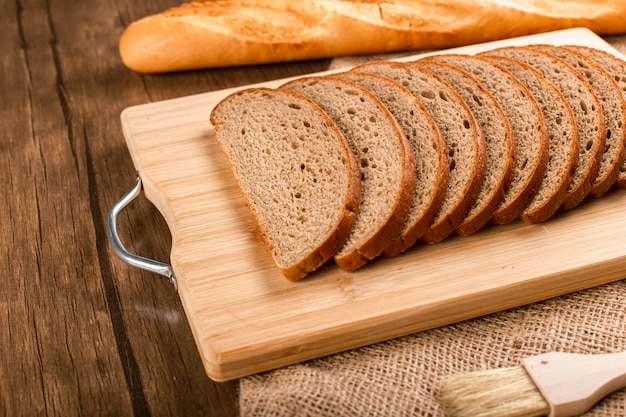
247,318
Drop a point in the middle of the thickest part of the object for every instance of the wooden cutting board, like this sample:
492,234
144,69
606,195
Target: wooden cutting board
247,318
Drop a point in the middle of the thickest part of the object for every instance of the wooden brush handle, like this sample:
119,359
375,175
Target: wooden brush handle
573,383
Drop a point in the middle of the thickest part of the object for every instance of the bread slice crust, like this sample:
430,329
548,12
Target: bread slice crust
385,158
563,132
616,67
432,169
614,110
465,142
587,111
529,128
282,148
499,142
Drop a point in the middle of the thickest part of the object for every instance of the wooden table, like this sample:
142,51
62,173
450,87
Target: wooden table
82,332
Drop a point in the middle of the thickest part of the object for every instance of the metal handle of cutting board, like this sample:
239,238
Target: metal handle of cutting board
119,249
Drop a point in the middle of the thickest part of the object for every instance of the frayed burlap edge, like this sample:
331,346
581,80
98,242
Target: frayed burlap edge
400,377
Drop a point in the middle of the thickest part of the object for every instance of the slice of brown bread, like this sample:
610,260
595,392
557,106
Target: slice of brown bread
616,67
499,140
296,171
385,158
614,109
529,128
587,111
563,132
465,143
432,169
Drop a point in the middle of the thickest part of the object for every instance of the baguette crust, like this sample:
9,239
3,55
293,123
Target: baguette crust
219,33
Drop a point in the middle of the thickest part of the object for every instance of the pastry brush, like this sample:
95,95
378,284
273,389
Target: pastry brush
554,384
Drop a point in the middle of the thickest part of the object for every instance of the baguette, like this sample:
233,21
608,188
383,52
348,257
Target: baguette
220,33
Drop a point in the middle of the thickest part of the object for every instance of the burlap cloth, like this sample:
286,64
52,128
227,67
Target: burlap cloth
400,377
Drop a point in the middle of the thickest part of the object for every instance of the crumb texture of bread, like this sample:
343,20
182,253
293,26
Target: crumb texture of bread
385,158
432,169
587,111
563,145
349,165
614,111
465,145
616,67
296,172
499,143
529,129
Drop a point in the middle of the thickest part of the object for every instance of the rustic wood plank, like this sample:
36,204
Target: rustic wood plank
83,333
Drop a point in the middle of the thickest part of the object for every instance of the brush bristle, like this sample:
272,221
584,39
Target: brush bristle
493,393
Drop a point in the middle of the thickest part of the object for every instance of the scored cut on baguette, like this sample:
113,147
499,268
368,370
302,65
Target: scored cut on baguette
617,68
432,171
465,143
587,111
385,158
296,171
220,33
499,143
529,128
614,110
563,134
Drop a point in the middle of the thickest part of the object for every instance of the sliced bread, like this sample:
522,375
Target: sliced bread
529,128
499,142
432,169
296,172
587,111
614,110
563,133
465,144
617,68
385,158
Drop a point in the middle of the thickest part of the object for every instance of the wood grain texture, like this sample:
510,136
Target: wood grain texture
82,334
246,317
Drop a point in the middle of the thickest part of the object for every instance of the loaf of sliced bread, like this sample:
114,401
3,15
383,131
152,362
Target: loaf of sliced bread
499,143
432,169
616,67
465,144
385,158
587,111
529,128
296,171
563,133
614,110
